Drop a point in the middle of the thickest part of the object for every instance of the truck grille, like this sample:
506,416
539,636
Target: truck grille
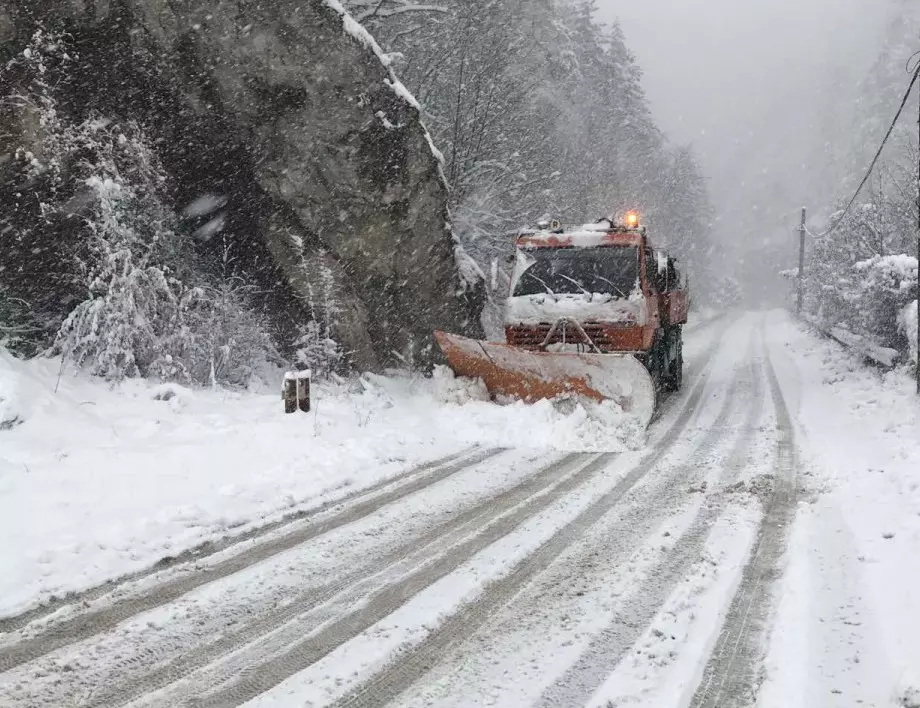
532,337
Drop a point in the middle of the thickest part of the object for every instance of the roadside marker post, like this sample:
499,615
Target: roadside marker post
296,391
802,231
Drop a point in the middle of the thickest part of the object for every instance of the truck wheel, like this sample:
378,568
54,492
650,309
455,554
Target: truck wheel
679,364
674,379
657,362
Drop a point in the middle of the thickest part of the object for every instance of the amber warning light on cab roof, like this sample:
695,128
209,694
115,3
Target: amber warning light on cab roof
632,219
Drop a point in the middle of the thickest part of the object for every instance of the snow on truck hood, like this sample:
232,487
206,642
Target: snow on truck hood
594,238
596,307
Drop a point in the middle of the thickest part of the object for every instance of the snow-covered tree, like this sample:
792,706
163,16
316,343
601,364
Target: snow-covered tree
18,330
862,273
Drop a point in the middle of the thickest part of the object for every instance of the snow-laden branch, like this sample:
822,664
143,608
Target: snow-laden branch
379,11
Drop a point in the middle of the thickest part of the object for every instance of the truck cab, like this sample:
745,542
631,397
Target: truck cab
601,288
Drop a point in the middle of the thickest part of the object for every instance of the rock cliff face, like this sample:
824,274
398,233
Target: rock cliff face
287,110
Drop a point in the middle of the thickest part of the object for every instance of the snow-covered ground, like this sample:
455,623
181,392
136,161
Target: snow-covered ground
759,549
97,482
849,613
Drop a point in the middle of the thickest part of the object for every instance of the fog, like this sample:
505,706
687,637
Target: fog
752,84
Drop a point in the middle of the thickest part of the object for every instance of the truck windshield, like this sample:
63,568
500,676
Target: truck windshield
610,270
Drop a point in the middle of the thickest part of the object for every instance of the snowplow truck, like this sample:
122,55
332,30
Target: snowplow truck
595,311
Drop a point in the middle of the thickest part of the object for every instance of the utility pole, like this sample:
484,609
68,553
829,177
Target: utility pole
802,231
918,250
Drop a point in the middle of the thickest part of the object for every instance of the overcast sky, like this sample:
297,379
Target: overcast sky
745,82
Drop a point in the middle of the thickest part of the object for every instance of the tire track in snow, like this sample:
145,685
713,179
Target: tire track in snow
93,622
733,673
364,581
212,547
577,685
259,677
298,658
179,666
695,366
420,659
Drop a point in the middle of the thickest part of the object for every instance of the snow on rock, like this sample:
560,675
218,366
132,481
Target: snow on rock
311,217
97,482
355,29
439,156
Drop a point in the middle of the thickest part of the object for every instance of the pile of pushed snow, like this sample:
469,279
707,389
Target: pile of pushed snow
450,388
462,406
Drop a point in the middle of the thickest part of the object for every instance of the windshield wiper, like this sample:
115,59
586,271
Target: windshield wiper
543,283
576,284
613,285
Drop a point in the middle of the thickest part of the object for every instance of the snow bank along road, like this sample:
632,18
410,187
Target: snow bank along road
493,577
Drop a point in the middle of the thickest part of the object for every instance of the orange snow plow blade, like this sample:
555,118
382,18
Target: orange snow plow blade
530,376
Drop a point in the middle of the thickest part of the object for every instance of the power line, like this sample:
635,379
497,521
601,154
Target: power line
915,60
878,154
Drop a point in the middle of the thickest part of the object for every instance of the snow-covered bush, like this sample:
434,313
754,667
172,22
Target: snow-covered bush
218,339
16,325
318,351
142,317
132,300
883,286
868,297
858,276
145,305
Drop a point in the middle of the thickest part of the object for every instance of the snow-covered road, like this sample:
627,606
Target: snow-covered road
742,557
